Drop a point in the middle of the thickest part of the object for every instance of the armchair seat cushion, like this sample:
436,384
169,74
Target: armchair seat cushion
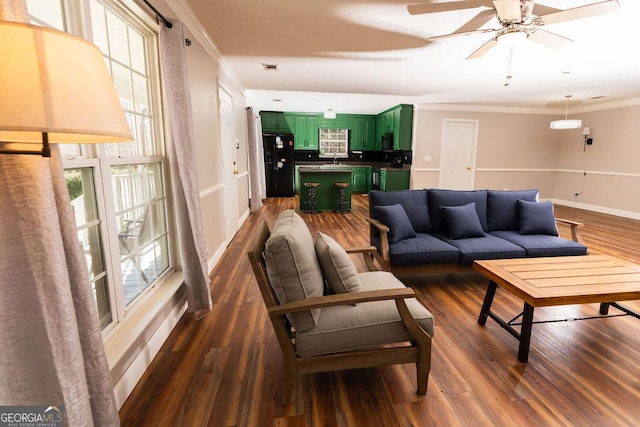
541,245
368,324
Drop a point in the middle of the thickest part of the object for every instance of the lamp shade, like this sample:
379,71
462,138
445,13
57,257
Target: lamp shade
55,83
565,124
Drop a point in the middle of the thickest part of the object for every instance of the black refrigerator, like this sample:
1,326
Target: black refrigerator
279,166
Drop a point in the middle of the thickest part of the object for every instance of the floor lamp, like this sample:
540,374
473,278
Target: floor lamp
55,89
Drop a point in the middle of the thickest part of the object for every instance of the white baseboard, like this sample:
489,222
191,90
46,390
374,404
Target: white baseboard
595,208
141,362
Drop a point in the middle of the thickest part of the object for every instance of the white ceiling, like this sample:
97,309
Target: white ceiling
366,56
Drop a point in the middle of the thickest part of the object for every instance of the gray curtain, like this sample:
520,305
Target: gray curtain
52,351
193,251
257,183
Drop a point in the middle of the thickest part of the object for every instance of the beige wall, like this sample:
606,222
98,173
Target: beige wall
205,76
514,150
612,163
518,150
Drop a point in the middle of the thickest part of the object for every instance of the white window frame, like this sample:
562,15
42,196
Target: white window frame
78,22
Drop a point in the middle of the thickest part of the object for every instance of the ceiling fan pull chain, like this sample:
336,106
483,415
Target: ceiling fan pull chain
509,60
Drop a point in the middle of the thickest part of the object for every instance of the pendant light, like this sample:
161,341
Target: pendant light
566,123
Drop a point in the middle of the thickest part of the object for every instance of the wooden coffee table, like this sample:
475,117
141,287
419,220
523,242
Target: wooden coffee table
542,282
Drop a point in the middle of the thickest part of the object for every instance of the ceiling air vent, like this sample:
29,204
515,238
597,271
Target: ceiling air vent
270,67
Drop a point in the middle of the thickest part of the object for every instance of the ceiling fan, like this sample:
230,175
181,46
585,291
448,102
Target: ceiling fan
524,17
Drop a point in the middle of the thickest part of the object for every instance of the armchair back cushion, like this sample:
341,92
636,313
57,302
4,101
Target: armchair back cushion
292,266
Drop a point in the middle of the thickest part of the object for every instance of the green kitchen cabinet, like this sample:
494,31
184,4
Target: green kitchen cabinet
306,132
403,127
340,122
363,133
399,121
361,179
277,122
394,179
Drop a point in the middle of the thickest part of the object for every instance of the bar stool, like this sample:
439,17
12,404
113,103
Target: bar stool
342,202
312,203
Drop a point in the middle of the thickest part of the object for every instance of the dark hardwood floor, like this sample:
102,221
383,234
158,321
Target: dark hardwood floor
226,368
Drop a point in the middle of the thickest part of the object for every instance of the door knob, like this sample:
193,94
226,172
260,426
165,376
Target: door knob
468,168
235,172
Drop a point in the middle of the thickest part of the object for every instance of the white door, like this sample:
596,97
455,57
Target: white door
229,170
457,164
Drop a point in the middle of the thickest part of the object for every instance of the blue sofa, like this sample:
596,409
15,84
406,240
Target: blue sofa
449,229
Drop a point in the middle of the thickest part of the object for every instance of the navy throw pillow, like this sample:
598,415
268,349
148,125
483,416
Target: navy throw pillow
395,217
462,221
537,218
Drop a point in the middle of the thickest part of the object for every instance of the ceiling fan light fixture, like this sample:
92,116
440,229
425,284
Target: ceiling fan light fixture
512,38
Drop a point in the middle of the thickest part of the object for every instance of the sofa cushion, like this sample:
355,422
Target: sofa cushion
487,247
368,324
502,208
537,218
423,249
336,265
462,221
438,198
414,203
539,245
395,217
292,266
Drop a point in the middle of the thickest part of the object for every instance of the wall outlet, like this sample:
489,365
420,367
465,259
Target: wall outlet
427,158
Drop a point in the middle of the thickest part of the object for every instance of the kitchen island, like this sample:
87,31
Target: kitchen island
327,194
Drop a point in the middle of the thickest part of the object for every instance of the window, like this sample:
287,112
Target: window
118,190
334,143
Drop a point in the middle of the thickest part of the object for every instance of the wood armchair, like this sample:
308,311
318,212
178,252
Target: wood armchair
416,349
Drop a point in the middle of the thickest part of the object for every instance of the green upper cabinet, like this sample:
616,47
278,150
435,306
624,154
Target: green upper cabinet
306,132
399,121
363,133
277,122
342,121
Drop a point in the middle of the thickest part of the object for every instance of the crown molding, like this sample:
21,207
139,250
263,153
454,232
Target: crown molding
191,21
471,108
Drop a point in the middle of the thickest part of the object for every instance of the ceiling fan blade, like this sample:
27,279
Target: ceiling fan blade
548,39
463,33
483,49
580,12
422,8
508,10
477,21
540,9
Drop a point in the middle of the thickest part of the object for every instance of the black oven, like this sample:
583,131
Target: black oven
375,178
